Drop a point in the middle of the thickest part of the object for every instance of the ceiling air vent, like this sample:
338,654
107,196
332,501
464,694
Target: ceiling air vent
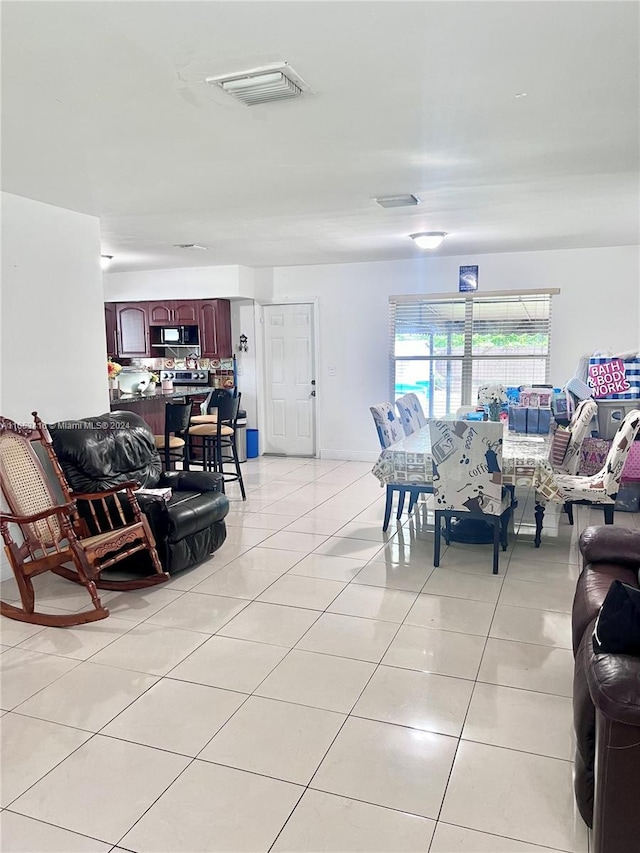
189,246
262,85
397,200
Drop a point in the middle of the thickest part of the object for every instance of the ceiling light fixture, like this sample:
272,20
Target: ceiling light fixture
408,200
275,82
521,94
105,261
428,239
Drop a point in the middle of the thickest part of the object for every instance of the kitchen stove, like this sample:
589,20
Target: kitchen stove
185,377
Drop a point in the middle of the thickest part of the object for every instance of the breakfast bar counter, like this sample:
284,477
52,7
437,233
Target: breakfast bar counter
151,404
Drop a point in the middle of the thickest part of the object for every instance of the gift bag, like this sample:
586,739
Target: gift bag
593,454
614,378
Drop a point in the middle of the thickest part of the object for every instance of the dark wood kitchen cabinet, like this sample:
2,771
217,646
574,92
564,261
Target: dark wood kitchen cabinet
172,312
215,328
133,329
128,325
111,325
160,313
186,313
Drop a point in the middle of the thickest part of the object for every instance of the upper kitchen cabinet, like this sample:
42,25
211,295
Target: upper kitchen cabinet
214,321
111,325
172,312
186,313
133,329
160,313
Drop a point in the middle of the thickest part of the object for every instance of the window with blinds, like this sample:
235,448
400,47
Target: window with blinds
444,347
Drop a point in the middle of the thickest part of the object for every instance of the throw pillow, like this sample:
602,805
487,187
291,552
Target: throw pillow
617,628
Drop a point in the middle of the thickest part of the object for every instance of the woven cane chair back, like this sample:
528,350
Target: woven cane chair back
26,489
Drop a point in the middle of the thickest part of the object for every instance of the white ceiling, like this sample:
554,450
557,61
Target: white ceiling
105,110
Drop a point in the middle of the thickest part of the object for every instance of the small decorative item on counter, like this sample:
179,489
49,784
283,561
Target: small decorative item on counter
113,370
153,381
192,362
169,363
492,396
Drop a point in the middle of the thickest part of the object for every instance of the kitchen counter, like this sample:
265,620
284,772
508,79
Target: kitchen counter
151,406
158,393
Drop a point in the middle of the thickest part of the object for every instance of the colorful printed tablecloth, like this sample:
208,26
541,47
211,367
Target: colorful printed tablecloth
525,462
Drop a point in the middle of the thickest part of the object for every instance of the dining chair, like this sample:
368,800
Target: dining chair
174,444
219,434
601,489
411,414
467,479
389,431
578,429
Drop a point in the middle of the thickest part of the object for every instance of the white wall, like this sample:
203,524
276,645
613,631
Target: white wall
223,282
598,308
243,323
52,335
52,338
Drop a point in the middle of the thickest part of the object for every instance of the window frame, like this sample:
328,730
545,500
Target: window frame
467,358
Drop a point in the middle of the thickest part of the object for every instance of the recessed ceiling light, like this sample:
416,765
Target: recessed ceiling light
408,200
189,246
428,239
275,82
521,94
105,260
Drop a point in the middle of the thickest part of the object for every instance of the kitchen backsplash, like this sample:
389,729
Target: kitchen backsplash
193,362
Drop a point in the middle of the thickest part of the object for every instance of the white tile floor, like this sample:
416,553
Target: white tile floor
315,686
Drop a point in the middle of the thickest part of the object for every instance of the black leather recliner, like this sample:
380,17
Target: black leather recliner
98,453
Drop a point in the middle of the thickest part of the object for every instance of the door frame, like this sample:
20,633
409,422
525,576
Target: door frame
261,379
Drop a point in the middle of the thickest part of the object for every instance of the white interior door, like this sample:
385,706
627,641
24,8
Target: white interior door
289,380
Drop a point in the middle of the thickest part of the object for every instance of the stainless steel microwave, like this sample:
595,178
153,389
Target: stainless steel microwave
179,335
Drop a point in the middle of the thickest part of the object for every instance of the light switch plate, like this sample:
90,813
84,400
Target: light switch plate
331,369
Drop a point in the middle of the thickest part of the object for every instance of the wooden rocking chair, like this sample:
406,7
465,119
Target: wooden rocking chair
54,534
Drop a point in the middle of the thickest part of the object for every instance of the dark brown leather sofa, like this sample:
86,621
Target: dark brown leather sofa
606,699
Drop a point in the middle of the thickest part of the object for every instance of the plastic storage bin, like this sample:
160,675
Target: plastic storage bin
611,413
253,448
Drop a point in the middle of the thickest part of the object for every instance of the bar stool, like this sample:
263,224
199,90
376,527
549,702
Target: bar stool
174,444
219,434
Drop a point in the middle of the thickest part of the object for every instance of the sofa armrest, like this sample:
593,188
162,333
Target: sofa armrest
614,685
192,481
611,545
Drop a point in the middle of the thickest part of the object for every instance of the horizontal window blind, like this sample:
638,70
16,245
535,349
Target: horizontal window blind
444,348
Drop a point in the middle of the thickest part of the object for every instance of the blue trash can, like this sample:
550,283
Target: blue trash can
252,443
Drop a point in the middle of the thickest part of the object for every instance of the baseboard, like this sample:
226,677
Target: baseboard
350,455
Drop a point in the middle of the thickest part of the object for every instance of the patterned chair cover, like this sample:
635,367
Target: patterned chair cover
579,426
411,414
602,488
387,424
467,466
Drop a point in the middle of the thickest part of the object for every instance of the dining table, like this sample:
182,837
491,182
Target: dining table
525,463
